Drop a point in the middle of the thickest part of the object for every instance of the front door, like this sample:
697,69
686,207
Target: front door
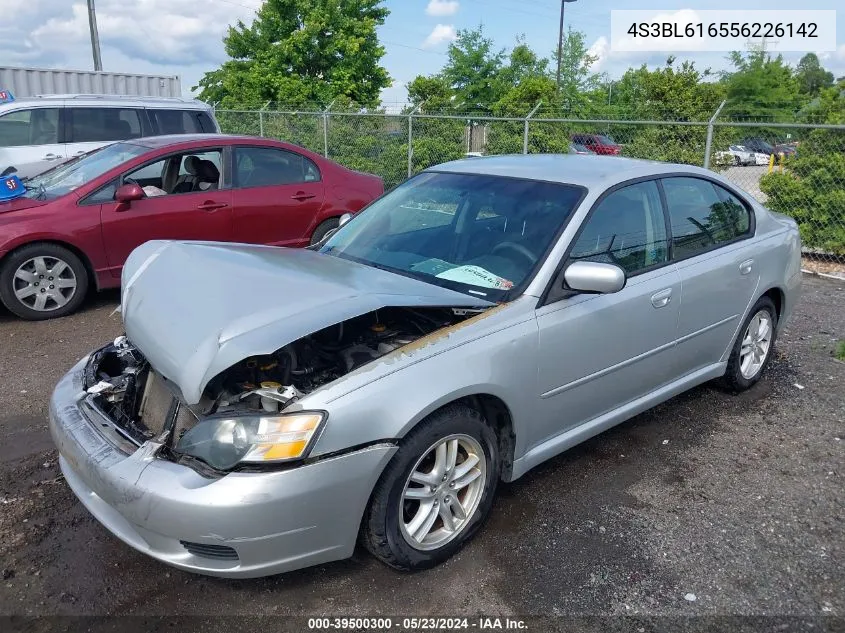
278,195
179,205
30,141
599,352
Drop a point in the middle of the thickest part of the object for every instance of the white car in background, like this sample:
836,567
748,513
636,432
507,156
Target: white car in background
738,155
38,133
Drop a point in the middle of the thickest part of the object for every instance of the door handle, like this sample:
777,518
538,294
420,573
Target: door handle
661,299
211,206
51,157
302,196
746,267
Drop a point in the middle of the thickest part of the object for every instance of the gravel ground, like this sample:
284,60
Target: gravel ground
709,505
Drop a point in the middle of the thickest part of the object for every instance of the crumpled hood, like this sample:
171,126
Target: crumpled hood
195,309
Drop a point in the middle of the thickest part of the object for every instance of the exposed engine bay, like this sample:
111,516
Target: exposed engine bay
145,405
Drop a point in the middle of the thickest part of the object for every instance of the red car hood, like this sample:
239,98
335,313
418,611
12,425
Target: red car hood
19,204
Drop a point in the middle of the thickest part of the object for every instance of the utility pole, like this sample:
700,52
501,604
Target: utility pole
560,41
95,36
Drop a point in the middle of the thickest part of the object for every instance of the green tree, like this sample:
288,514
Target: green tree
812,78
302,52
474,69
576,76
761,88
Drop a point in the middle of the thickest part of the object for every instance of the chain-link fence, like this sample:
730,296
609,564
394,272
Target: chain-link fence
794,168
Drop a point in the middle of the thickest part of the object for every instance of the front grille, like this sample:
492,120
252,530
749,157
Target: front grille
155,404
220,552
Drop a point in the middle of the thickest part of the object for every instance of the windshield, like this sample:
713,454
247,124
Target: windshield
606,140
478,234
75,173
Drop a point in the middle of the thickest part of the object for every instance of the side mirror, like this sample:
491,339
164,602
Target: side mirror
129,193
344,219
595,277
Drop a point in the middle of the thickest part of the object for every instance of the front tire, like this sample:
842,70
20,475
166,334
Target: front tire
436,491
753,347
43,281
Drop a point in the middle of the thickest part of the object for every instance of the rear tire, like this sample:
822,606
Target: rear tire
401,506
42,281
753,348
323,228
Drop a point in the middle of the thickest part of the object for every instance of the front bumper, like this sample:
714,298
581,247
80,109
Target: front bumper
274,521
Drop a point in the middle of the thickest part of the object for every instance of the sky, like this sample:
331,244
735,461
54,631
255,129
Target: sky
184,37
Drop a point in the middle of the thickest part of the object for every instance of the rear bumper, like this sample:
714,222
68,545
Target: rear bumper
257,523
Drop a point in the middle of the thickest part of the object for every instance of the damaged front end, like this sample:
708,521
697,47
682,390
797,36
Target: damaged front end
243,420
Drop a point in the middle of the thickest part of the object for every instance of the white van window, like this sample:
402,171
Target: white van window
104,124
37,126
176,121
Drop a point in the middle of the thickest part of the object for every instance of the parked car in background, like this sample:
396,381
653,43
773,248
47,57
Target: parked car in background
40,132
577,148
74,226
598,143
268,409
736,155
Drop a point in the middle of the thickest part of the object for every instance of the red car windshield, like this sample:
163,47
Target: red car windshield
69,176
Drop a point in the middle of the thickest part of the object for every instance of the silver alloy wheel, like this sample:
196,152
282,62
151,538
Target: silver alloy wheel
442,492
44,283
756,343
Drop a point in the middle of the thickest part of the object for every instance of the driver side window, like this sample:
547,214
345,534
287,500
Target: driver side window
627,229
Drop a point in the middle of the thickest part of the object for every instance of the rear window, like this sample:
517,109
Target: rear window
177,121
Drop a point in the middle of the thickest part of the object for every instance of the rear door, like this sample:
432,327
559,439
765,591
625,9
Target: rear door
278,195
710,228
31,140
202,213
91,127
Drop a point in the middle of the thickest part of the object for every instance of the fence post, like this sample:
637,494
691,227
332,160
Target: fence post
525,135
411,139
326,129
261,119
709,144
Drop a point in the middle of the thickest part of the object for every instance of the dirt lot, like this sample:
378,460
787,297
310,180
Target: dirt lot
735,499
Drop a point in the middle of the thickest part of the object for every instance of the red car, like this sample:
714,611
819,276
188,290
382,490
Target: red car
74,226
598,143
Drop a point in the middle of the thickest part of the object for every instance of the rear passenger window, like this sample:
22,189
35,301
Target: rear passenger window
104,124
703,215
176,121
38,126
263,166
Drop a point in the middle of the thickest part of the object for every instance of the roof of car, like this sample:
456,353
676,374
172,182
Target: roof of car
110,100
167,140
584,170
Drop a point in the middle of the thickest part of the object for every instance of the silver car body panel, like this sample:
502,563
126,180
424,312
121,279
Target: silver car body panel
562,371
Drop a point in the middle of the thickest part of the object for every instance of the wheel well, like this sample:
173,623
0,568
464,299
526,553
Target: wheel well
776,295
498,416
92,278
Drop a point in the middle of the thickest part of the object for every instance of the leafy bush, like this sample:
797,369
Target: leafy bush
811,189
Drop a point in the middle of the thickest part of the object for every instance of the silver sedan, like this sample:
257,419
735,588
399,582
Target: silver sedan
268,408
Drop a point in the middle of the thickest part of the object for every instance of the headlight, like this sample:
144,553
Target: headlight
225,442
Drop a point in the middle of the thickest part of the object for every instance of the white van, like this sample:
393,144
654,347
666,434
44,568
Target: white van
37,133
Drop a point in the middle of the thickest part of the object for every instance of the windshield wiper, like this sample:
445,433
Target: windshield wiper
42,191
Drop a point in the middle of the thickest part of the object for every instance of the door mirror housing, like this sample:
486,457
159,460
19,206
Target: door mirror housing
344,219
129,193
595,277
